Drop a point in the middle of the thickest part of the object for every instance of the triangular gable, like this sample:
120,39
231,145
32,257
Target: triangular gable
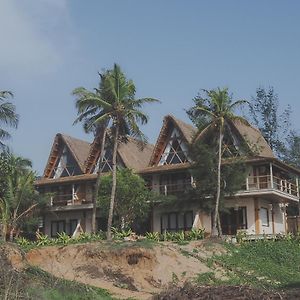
106,164
173,142
63,160
130,154
240,139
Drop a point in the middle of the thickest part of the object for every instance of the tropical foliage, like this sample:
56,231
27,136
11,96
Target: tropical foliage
133,199
8,116
122,111
213,113
18,198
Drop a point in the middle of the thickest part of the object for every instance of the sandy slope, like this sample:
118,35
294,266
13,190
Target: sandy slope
130,271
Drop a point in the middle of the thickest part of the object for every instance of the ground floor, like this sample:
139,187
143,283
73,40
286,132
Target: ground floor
252,215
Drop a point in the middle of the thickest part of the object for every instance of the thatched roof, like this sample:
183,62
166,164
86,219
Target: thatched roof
77,148
254,139
130,152
133,156
169,122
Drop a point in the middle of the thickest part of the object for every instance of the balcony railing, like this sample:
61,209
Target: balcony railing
173,188
263,182
68,199
253,183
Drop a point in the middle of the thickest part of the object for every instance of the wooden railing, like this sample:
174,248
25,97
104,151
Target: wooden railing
271,182
173,188
68,199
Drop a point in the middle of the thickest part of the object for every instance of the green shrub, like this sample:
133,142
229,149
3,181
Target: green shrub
153,236
195,234
121,234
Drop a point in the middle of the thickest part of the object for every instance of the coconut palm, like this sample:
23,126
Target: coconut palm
126,116
8,116
214,112
94,110
114,104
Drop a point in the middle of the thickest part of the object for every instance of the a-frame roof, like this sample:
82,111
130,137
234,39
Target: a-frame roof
251,136
130,153
187,131
78,148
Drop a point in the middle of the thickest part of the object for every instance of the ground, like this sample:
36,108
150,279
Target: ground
207,269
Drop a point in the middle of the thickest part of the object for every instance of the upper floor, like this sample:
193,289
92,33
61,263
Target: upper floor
72,167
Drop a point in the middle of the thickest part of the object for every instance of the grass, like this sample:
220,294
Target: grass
35,284
263,264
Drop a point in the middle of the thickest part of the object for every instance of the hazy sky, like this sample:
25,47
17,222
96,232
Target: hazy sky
171,49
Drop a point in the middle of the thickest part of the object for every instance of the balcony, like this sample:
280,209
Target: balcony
173,188
265,185
271,185
69,201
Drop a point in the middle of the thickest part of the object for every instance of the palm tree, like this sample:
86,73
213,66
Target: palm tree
214,112
94,110
8,116
126,115
113,104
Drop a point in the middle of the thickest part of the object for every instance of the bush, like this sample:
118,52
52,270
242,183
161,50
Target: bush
178,237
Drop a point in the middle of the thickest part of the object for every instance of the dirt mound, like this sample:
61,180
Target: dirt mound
127,270
190,292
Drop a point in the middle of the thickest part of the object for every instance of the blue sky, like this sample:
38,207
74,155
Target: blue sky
171,49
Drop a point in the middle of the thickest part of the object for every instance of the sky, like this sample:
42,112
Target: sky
171,50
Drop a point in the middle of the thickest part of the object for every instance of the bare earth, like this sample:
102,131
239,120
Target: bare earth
130,271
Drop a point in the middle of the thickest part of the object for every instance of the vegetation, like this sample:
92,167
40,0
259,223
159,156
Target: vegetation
18,198
214,112
264,112
122,110
266,264
132,202
34,283
8,116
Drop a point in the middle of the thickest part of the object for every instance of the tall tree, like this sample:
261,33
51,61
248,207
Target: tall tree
126,116
123,113
94,110
8,116
292,153
213,112
264,110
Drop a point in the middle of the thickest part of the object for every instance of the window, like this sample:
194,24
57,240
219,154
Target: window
175,151
57,227
264,216
176,221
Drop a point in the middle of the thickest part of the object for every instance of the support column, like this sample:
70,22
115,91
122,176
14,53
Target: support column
271,176
297,186
256,213
73,193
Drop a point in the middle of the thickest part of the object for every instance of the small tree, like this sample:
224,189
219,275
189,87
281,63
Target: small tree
133,198
204,172
18,199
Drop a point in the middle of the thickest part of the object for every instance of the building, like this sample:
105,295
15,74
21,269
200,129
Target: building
258,208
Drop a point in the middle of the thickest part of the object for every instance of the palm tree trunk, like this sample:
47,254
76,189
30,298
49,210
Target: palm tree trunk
96,194
216,227
114,183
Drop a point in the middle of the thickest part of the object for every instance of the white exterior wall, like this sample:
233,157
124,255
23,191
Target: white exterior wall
203,220
157,212
249,204
83,216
